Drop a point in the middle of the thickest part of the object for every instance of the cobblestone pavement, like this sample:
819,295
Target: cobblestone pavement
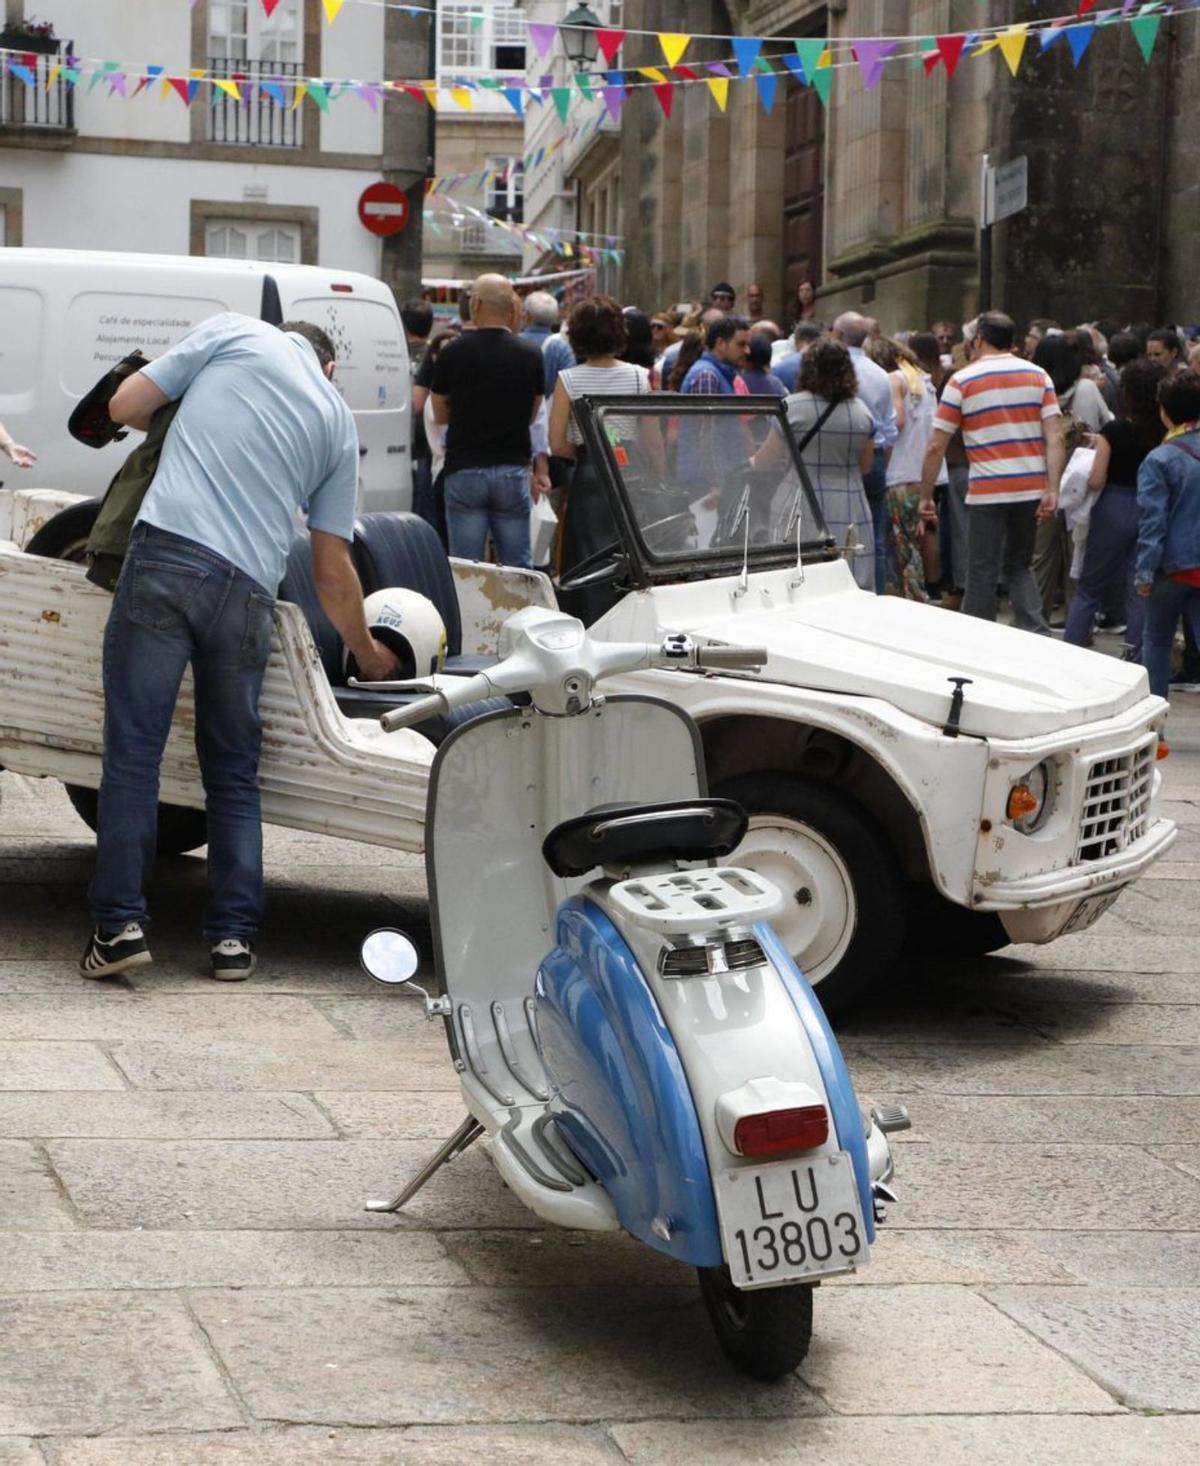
187,1276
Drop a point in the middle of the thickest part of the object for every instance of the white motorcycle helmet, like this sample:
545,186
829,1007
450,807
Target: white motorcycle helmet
408,624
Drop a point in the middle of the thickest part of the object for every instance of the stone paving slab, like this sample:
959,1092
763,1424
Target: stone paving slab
424,1356
161,1115
1123,1259
20,1453
1141,1344
95,1010
500,1445
233,1064
29,1193
396,1116
1109,946
1008,982
39,1066
86,1363
1186,1157
1097,1069
277,1185
987,1440
1047,1187
1020,1119
1174,1024
935,1350
147,1260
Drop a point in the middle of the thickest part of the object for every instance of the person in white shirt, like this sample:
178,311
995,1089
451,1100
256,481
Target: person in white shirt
874,389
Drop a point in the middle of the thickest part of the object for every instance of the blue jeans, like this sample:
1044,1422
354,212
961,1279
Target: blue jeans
875,487
1169,600
1108,561
495,501
177,602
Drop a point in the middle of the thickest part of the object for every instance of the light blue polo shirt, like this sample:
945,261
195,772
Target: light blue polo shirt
259,432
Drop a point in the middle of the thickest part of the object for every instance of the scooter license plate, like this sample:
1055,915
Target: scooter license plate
791,1220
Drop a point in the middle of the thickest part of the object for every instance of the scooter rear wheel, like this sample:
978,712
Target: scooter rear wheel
766,1333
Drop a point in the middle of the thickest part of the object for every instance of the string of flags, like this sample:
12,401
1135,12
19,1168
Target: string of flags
811,62
570,244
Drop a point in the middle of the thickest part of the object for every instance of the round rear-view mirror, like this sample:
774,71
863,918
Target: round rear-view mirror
389,956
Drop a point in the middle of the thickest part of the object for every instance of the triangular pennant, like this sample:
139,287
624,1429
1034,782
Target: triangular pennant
515,98
652,73
1012,46
584,82
793,65
429,88
1079,37
766,84
230,88
745,52
673,44
185,89
719,87
269,6
1085,6
542,37
366,91
274,91
718,68
333,9
809,52
319,92
686,73
22,73
930,60
871,56
561,97
823,83
56,70
1145,31
462,96
666,95
610,43
950,49
614,100
72,75
1048,37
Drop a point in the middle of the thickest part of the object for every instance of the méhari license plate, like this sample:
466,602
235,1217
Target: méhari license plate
791,1220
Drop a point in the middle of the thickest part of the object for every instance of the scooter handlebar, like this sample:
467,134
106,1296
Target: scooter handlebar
414,712
716,658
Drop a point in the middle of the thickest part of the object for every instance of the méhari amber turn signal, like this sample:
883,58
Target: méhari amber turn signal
1022,802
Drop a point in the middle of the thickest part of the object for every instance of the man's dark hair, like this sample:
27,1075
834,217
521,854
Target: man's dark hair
596,327
808,331
1058,358
827,370
1123,348
1140,380
724,330
316,338
1166,336
417,316
1179,397
723,287
1107,327
758,352
996,329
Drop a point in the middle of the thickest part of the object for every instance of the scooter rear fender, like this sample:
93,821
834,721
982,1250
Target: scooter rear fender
618,1088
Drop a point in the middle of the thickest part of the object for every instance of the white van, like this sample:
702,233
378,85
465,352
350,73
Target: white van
67,315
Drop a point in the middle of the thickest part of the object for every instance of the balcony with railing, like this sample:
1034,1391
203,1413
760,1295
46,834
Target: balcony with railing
264,115
36,101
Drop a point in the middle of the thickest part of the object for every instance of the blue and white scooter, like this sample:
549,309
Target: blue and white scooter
629,1032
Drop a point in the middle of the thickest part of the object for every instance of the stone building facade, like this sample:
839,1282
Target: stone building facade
875,197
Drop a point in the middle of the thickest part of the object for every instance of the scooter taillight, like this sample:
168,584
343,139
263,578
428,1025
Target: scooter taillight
780,1131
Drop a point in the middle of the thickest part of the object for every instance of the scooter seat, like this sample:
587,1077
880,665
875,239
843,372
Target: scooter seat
687,829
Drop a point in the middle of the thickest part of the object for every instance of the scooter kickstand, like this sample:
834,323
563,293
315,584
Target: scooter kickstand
470,1130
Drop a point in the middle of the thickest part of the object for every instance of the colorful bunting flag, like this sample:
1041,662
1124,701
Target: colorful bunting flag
268,5
1145,32
673,46
230,88
542,37
561,97
462,95
319,92
666,95
746,52
610,43
950,48
766,84
719,87
614,100
871,56
332,9
515,98
185,89
809,52
1012,45
1079,37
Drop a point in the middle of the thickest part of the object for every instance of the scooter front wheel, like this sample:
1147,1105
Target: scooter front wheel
766,1333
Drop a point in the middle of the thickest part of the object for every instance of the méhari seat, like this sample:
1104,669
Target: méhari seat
389,550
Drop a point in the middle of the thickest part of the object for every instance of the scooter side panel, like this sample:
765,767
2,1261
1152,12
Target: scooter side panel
618,1088
839,1090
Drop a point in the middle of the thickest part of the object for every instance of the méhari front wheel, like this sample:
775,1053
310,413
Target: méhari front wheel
766,1333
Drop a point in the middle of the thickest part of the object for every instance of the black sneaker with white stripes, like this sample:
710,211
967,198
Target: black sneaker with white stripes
232,959
108,953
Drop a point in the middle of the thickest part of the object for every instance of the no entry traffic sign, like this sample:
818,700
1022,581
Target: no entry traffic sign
383,208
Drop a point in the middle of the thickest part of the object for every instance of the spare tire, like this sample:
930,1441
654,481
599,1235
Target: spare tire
63,538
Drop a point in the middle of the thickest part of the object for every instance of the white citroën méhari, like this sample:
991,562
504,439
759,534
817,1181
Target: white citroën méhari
910,774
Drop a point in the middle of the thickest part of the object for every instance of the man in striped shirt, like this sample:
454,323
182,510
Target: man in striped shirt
1011,425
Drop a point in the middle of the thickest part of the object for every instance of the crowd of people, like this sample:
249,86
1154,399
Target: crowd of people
951,464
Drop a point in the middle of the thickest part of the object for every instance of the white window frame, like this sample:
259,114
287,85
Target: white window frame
506,196
465,49
256,232
241,30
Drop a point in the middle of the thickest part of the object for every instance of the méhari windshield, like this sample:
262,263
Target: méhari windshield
699,483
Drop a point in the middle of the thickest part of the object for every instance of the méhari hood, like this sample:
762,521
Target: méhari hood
828,634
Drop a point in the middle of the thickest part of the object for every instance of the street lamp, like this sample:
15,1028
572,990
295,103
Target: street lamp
579,37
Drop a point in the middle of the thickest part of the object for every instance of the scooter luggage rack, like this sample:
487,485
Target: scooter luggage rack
697,900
